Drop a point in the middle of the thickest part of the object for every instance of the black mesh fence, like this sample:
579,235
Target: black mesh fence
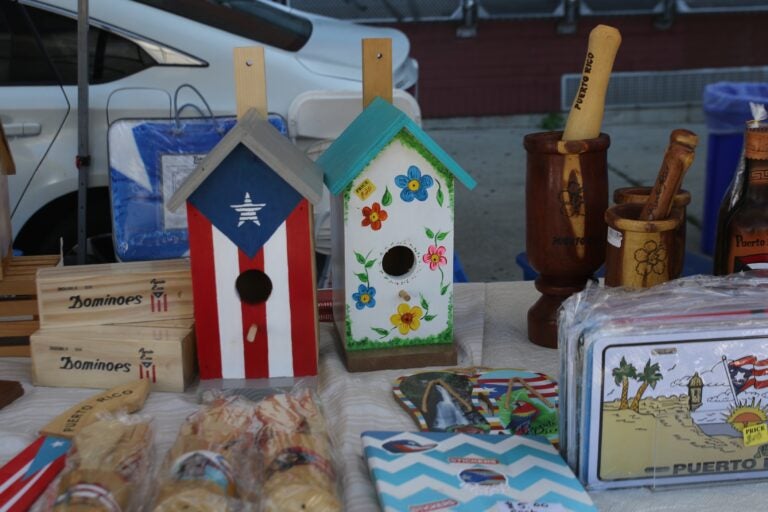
442,10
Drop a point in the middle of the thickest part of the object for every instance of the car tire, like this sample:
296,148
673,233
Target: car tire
58,220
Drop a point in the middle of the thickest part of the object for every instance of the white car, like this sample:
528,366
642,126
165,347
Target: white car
141,51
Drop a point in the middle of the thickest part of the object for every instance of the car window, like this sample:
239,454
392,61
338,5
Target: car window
22,61
111,56
247,18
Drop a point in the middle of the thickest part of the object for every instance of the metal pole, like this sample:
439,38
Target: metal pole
83,159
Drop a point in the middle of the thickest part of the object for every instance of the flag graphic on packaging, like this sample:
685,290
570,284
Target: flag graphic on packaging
24,478
747,372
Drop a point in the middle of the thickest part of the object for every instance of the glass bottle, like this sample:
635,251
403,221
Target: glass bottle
745,230
731,200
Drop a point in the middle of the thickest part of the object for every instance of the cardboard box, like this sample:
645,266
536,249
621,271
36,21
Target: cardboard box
103,356
116,293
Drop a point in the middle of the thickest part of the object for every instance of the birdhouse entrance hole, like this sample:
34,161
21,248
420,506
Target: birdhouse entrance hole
398,261
253,286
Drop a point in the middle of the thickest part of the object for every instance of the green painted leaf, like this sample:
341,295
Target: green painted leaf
380,331
429,318
430,234
424,303
440,197
363,277
360,258
387,199
444,289
441,236
369,264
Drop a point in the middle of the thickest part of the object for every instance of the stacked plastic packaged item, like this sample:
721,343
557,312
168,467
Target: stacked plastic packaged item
667,385
232,454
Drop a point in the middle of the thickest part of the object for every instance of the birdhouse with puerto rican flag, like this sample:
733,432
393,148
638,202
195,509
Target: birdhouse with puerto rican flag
392,241
249,210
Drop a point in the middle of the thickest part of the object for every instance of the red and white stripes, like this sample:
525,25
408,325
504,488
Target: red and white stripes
285,343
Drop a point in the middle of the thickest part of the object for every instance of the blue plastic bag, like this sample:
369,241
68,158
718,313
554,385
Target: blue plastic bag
726,105
148,161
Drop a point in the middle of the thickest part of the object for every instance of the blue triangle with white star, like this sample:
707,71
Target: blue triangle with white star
245,199
51,449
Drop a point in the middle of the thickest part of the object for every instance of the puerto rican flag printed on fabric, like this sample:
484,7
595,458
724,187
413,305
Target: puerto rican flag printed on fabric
24,478
245,216
747,372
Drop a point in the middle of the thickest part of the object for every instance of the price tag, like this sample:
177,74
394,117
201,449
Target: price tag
614,237
521,506
755,435
365,189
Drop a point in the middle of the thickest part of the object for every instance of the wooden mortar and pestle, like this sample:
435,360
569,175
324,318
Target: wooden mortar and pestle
567,193
643,245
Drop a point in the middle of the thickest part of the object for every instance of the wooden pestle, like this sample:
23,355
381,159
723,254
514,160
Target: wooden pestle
677,159
586,115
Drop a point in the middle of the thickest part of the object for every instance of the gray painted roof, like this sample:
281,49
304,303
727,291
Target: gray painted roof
277,151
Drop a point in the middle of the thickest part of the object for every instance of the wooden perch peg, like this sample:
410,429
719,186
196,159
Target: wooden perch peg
404,295
586,115
252,331
677,159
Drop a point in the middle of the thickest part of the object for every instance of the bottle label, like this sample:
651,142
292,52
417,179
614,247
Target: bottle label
756,144
758,177
748,252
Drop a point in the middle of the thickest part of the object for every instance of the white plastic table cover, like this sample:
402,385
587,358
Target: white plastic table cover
490,324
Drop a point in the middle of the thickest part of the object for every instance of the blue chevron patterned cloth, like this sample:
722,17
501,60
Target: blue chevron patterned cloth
426,471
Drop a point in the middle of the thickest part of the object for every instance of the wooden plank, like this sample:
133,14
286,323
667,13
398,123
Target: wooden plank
15,285
26,306
18,328
377,70
401,357
250,80
6,237
7,167
14,351
24,266
43,260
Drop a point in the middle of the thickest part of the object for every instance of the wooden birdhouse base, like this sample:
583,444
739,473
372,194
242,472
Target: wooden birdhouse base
18,302
400,357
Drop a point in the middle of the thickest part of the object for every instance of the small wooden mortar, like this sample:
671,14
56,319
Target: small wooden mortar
639,195
639,252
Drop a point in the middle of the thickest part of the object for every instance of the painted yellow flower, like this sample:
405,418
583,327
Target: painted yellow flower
407,318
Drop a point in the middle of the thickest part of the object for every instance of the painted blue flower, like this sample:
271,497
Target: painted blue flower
364,297
414,185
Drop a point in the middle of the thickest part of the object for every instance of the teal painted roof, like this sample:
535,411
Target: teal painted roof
366,136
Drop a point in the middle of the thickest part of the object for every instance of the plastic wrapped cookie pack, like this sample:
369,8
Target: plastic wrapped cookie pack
232,454
237,454
107,467
668,385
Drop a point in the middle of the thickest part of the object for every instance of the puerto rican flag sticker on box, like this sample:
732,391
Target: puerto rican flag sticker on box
252,260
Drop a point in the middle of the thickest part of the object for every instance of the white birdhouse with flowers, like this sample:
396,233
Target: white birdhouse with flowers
392,231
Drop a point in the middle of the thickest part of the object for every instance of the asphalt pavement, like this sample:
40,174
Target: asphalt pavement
490,220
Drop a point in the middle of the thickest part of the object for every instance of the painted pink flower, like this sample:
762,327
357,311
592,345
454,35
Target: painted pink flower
435,257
